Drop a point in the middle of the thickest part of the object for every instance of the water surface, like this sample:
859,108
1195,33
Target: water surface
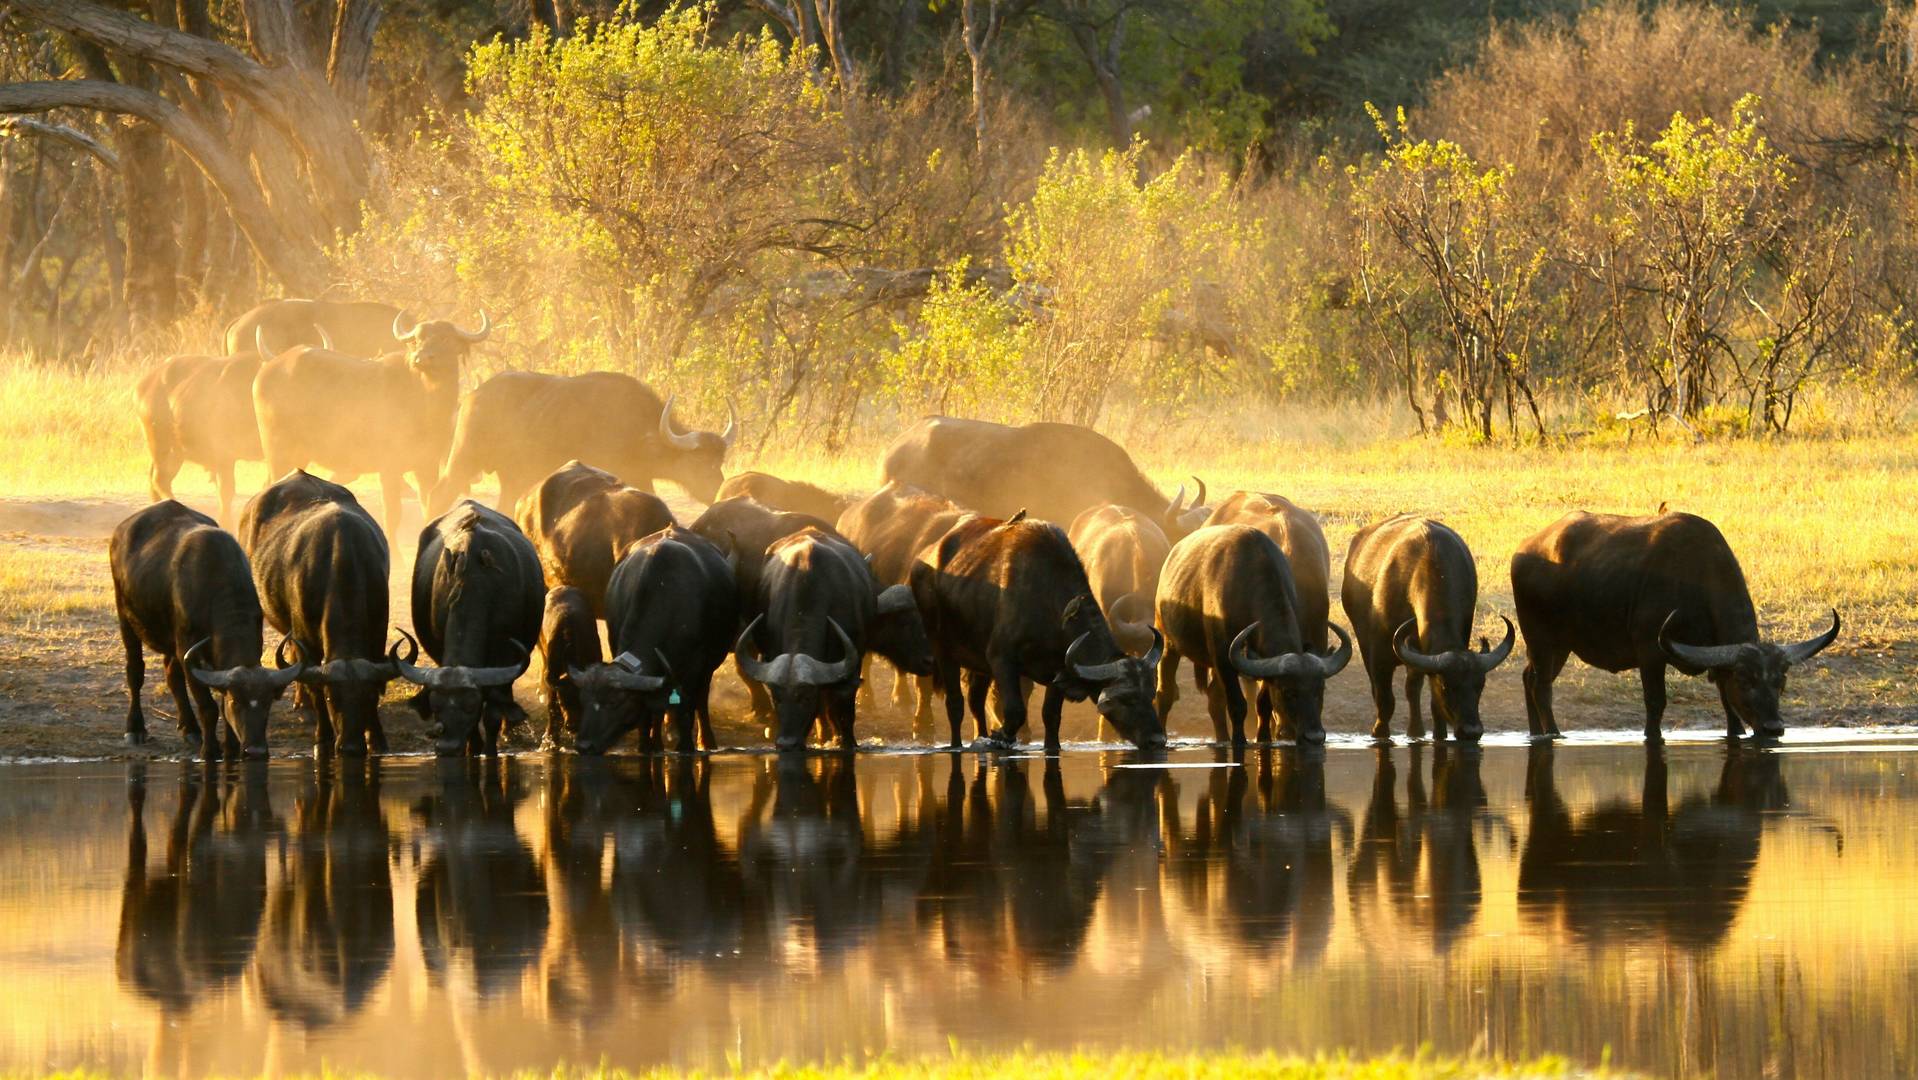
1694,910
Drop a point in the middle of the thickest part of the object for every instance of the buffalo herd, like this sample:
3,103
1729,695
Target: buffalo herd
993,560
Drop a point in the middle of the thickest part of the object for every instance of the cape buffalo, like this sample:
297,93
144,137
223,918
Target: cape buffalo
199,409
581,520
1644,592
477,602
356,328
568,638
1411,587
322,564
817,599
523,425
1011,600
391,416
1123,551
182,587
892,526
793,496
671,612
1227,589
1052,471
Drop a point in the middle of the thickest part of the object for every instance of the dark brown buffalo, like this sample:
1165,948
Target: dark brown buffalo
388,416
183,588
821,610
522,425
581,521
1411,590
672,612
356,328
1123,551
793,496
568,638
1052,471
1227,601
477,601
1010,600
1644,592
199,409
892,527
321,564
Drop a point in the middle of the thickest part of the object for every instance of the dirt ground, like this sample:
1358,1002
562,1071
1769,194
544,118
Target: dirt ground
62,693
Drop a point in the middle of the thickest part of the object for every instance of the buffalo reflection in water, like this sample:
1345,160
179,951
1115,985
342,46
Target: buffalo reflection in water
1258,858
328,942
481,898
1424,860
1622,871
191,930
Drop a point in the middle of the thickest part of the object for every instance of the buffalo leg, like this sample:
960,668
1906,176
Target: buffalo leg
702,702
166,466
978,687
1651,678
183,701
211,722
1415,708
1168,683
866,696
923,687
843,717
1051,711
323,734
1261,697
392,503
223,483
1541,668
136,678
376,733
955,697
1012,702
762,701
1379,674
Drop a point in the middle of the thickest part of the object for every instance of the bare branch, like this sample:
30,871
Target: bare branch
26,125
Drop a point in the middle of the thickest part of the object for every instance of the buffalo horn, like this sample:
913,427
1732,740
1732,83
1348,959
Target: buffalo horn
1701,656
624,673
1423,663
1805,650
505,675
1334,662
672,435
218,680
795,669
476,336
732,427
400,331
326,339
1495,657
285,673
1093,673
431,678
259,343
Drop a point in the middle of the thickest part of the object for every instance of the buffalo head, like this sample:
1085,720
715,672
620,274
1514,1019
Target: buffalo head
614,697
693,458
246,691
1750,675
457,696
1181,518
1297,679
437,348
1460,674
1124,685
798,683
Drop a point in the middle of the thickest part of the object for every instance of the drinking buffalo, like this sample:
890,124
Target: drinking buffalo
581,520
523,425
182,587
321,563
793,496
1411,587
1011,600
477,600
1644,592
671,612
199,409
1053,471
356,328
568,638
1123,551
1226,591
817,599
892,526
390,416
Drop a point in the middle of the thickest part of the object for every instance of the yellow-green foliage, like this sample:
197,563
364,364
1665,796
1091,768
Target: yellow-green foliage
1133,1065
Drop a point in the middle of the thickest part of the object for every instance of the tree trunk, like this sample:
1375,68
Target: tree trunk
1104,62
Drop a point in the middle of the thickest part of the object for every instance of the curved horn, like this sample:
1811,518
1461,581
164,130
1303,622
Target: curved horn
432,678
399,320
1810,647
750,666
326,339
1092,673
732,427
1157,652
1200,499
218,680
1703,656
811,671
505,675
1177,506
1492,659
1423,663
285,673
259,343
1254,667
672,435
624,672
1334,662
474,337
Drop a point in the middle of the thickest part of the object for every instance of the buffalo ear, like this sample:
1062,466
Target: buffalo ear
486,558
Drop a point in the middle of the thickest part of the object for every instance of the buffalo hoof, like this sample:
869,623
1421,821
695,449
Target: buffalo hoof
352,750
1547,736
136,738
999,739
